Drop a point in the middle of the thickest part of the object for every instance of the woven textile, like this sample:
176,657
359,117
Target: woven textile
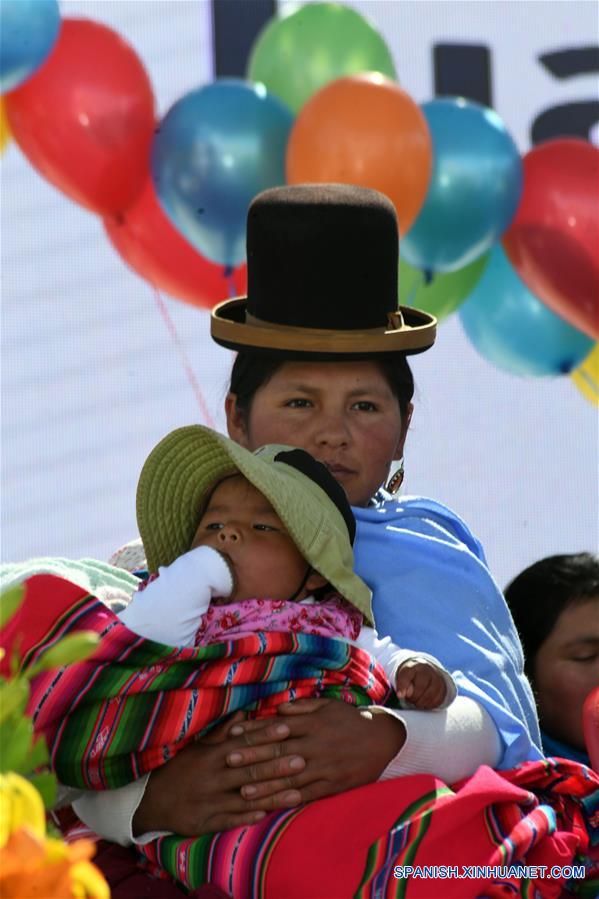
135,703
353,844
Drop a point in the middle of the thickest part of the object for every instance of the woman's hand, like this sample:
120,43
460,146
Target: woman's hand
243,769
197,792
342,747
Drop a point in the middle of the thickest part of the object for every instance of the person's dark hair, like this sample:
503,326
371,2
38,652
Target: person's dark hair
540,593
251,371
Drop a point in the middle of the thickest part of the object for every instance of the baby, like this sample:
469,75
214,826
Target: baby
241,543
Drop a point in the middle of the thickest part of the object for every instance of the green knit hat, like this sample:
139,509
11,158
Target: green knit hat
184,467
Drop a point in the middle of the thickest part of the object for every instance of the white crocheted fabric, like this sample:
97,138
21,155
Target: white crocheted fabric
131,557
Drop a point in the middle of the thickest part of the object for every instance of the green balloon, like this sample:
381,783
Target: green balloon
297,55
439,294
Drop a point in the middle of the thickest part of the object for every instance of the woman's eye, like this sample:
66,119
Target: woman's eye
298,403
364,406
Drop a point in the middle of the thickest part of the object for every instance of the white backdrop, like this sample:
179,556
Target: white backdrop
91,378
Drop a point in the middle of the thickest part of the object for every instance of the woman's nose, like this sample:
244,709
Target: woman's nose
332,431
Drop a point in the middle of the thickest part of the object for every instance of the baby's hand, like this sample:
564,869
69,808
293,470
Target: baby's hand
421,684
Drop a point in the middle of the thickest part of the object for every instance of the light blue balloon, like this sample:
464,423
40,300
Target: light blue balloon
218,147
511,328
474,191
28,31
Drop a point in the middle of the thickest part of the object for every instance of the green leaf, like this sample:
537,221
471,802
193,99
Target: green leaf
15,656
13,697
39,754
10,600
72,648
16,736
45,784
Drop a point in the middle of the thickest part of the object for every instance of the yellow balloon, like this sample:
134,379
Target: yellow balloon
586,376
4,129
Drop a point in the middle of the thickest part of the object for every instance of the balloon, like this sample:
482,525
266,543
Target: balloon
514,330
438,294
364,130
148,242
28,33
297,55
4,129
586,376
218,147
86,119
474,189
552,242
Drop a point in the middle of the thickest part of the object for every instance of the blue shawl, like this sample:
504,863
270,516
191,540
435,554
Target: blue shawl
433,591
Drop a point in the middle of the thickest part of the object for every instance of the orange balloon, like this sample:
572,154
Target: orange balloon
364,130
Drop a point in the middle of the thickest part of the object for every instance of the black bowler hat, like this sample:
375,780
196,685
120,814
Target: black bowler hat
322,279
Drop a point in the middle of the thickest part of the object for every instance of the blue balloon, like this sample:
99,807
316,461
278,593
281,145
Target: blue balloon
28,33
511,328
218,147
474,191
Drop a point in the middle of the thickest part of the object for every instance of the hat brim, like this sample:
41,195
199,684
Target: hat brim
231,328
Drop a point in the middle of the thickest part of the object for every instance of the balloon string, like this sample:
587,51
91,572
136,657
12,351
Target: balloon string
193,381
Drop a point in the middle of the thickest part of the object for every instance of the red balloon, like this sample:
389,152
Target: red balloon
553,240
85,120
152,246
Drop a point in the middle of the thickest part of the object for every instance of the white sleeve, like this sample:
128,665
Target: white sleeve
451,744
168,609
391,657
109,813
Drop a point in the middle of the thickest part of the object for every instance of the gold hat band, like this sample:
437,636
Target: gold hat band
268,335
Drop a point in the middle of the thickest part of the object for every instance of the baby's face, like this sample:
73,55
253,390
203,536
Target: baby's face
241,524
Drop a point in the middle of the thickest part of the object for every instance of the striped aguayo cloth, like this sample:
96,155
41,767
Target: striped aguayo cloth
135,703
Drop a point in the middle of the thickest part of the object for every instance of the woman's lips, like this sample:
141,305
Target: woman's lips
339,470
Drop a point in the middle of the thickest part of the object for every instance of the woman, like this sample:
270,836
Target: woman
322,367
555,604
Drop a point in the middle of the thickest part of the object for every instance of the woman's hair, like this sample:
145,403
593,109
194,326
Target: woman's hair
251,371
539,594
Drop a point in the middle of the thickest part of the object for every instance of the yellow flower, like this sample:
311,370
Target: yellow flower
87,882
33,867
20,806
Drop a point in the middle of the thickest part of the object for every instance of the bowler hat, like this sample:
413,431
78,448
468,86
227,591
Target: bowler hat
322,279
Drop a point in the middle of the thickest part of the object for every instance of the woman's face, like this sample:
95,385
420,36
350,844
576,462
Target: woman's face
566,669
343,413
